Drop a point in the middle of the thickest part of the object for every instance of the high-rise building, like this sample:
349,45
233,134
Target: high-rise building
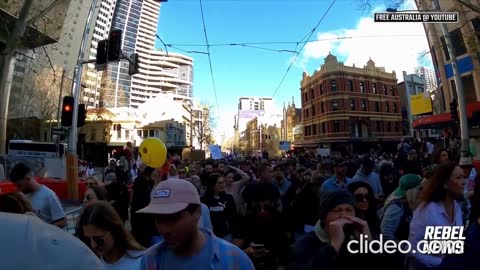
251,107
159,72
350,108
428,77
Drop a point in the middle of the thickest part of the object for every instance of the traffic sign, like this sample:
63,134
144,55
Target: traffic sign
59,131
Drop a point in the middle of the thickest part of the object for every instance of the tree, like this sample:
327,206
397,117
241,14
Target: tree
29,14
203,125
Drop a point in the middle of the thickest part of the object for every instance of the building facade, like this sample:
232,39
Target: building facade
412,85
292,117
161,73
428,77
342,104
62,55
465,39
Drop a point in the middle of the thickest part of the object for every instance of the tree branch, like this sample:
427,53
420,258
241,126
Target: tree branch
43,12
469,5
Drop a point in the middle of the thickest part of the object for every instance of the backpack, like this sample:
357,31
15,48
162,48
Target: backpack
403,229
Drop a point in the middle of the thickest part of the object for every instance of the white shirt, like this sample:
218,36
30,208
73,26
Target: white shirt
131,260
46,205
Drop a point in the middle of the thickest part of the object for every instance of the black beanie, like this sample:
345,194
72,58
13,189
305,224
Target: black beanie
330,200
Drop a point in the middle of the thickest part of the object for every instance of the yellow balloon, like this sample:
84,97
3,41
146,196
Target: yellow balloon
153,152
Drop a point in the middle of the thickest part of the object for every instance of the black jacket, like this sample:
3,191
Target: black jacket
309,253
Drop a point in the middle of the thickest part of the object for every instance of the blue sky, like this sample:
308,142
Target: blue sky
241,71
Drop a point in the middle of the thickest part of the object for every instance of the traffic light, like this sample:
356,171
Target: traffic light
82,115
67,111
134,64
115,45
102,52
453,110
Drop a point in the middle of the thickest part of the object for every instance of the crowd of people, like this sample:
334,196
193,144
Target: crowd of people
299,212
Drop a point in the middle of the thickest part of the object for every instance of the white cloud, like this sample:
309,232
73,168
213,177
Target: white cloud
395,46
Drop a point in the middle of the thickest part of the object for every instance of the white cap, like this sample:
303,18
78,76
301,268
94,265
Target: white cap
29,243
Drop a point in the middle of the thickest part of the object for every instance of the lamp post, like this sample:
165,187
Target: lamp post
462,107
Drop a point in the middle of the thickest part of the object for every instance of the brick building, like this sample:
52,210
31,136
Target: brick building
350,108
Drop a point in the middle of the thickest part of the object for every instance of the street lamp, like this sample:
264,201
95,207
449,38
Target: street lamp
462,107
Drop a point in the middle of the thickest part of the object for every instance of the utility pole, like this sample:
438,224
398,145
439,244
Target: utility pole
60,94
72,159
462,107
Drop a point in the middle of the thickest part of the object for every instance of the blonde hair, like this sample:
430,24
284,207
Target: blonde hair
172,170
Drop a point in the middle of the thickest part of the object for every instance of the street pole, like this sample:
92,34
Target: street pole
462,107
60,94
72,159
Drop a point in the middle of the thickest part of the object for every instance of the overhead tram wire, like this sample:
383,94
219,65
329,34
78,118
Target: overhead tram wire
303,46
163,43
209,56
293,42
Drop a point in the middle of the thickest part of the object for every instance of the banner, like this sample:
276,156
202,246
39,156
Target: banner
421,103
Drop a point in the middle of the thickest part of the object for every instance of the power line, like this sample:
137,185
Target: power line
291,42
303,46
209,56
163,43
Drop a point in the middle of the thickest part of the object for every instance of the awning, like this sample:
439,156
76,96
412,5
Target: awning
443,120
437,121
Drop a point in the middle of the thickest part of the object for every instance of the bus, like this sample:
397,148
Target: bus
46,159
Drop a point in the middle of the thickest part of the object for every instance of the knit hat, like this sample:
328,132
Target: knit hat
407,182
330,200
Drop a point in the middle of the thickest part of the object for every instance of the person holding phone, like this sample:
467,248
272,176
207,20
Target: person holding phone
326,246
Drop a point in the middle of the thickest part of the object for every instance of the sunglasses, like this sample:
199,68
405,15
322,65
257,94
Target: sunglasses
99,240
361,197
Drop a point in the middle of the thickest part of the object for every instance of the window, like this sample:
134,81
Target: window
127,134
333,85
322,108
384,89
336,126
397,126
313,110
387,107
119,134
352,104
312,94
374,88
394,107
379,126
335,105
350,85
476,27
392,89
389,126
457,44
377,106
324,129
321,89
314,129
364,105
362,87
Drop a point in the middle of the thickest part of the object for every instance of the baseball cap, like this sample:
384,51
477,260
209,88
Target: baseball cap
35,244
171,196
407,182
339,162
